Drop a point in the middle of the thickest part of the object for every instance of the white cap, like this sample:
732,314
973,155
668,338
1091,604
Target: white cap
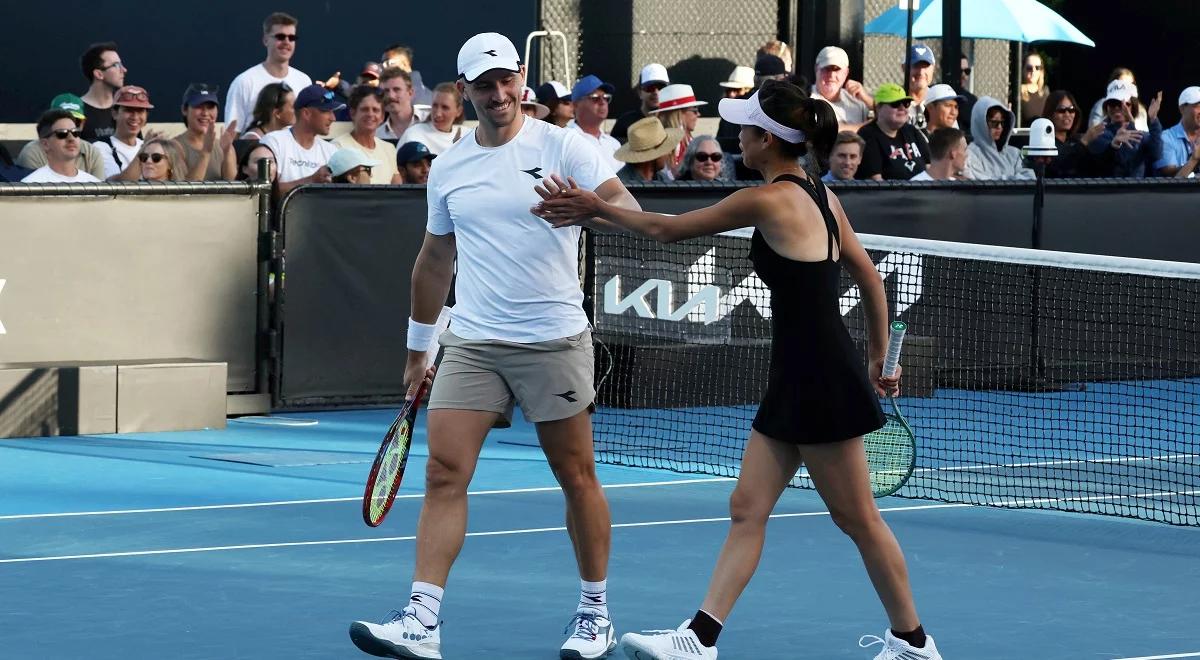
942,92
833,56
344,160
1119,90
1190,96
484,52
741,78
560,90
654,73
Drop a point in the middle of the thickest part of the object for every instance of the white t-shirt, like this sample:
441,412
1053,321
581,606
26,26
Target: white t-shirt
126,153
44,174
243,91
518,277
428,134
383,152
294,161
606,145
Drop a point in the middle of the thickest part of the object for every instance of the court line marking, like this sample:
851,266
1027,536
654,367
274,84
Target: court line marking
1193,654
406,496
387,539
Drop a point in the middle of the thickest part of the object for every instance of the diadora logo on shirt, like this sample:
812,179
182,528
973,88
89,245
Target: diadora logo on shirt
534,172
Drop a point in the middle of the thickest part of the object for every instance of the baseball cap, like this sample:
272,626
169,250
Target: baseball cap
942,92
199,94
654,73
69,102
316,96
484,52
553,90
921,53
1119,90
344,160
410,152
1190,96
132,96
371,70
588,84
769,65
833,56
890,93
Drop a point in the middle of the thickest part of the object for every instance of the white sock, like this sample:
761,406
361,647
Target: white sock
594,596
426,599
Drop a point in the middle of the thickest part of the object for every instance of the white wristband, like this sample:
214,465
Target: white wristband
420,335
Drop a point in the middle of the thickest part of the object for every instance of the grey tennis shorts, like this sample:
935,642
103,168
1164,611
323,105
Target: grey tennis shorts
550,380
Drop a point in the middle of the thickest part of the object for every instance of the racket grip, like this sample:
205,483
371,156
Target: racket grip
895,341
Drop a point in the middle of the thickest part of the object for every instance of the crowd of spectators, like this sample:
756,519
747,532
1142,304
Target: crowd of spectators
273,111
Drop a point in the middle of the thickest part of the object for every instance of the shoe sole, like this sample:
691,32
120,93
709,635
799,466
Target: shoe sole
572,654
368,643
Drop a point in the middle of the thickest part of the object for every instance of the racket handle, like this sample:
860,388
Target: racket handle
890,362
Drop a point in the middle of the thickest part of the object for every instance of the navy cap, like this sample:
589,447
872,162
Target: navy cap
553,90
316,96
588,84
411,152
769,65
198,94
921,53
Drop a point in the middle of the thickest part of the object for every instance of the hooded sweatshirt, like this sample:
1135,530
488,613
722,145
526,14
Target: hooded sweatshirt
985,160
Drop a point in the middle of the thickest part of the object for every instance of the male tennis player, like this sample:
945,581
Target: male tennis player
518,333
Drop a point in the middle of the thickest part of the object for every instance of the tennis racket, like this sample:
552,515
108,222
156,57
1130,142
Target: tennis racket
388,470
891,450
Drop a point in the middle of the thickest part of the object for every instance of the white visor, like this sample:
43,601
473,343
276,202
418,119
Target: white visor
748,112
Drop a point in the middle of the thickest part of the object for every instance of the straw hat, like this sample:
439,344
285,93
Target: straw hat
648,140
742,77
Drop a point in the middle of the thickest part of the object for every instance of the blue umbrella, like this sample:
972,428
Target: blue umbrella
1026,21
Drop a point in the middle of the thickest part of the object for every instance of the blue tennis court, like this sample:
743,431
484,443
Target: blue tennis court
249,543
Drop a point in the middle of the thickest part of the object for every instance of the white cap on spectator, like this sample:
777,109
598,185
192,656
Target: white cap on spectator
654,73
344,160
942,92
484,52
833,56
1119,90
1190,96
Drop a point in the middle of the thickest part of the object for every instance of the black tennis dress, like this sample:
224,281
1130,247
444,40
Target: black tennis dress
817,388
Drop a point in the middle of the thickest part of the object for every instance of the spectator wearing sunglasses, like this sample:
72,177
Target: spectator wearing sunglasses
895,150
366,112
105,73
1121,149
845,157
300,151
651,81
964,89
130,108
704,161
1073,159
1034,91
1120,79
990,157
591,97
59,138
678,108
279,38
352,166
160,159
273,111
209,157
90,158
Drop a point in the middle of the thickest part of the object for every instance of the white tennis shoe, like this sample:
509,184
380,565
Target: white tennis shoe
895,648
401,636
679,644
592,636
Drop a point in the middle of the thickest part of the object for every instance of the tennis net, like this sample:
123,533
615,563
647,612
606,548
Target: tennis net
1032,379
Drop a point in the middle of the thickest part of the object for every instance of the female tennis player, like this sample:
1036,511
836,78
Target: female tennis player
819,400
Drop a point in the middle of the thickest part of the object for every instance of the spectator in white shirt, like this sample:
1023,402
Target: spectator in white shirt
302,155
279,38
366,111
591,97
438,132
272,111
851,102
58,136
130,107
90,160
948,152
396,85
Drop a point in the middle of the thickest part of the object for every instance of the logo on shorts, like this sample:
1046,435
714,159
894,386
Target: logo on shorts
569,396
533,172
